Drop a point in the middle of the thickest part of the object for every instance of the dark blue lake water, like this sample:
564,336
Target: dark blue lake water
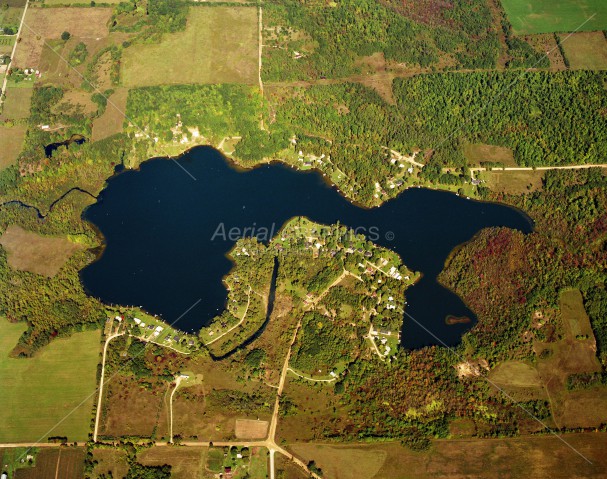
165,247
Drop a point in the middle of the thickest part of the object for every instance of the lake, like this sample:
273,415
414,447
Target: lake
167,236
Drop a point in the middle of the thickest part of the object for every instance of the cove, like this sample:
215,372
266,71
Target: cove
162,250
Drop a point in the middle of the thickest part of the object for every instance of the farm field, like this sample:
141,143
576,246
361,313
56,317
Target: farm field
11,142
586,51
44,27
219,45
31,252
38,392
55,463
545,16
537,457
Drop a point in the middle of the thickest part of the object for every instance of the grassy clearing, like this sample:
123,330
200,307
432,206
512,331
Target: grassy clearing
515,373
575,319
130,410
6,45
258,467
11,142
538,457
48,24
545,16
479,153
112,461
31,252
218,45
186,462
546,43
38,392
586,51
112,119
10,17
338,462
514,182
520,380
215,460
251,429
17,104
574,354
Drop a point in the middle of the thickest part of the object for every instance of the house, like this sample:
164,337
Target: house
137,321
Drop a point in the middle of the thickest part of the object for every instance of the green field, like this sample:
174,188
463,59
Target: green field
546,16
39,393
586,51
218,45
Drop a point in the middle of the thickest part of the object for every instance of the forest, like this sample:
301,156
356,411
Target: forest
331,39
520,274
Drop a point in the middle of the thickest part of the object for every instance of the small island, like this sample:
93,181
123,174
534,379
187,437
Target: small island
451,320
